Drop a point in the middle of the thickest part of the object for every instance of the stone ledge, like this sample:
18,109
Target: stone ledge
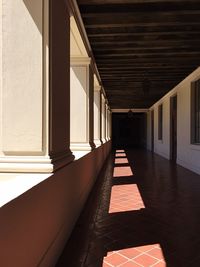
13,185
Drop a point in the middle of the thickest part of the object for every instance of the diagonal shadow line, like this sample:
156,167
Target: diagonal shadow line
35,12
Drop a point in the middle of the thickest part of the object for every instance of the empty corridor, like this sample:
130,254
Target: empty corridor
143,211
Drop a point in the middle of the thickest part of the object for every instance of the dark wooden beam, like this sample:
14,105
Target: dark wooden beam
103,2
147,52
183,6
193,60
137,39
138,29
108,20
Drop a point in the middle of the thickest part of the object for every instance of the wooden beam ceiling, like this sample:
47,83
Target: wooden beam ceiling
142,40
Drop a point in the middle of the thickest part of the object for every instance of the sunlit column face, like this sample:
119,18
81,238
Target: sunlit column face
97,117
78,103
21,93
103,118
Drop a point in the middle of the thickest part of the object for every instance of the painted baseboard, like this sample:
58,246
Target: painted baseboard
164,155
188,165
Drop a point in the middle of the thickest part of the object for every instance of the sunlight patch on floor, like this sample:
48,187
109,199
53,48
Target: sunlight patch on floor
125,198
119,155
120,150
122,171
121,160
141,256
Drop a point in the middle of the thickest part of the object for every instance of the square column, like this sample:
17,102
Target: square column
109,123
106,129
97,115
103,118
34,116
82,107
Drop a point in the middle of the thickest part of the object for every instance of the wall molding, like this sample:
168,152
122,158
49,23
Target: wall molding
188,165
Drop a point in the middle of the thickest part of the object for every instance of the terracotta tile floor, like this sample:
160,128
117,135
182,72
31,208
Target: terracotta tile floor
143,211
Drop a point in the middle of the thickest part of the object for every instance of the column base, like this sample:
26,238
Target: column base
97,142
35,164
82,146
61,159
81,149
103,140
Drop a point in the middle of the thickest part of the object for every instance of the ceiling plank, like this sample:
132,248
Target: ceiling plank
104,2
179,7
142,19
136,39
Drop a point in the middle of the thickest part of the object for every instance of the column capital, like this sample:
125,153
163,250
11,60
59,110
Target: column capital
80,61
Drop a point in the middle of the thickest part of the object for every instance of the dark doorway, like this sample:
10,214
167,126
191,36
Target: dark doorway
173,128
129,131
152,130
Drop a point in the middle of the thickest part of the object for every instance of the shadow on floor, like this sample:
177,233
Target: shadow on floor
158,205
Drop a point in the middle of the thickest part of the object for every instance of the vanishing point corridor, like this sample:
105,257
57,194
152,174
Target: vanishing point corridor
143,211
95,97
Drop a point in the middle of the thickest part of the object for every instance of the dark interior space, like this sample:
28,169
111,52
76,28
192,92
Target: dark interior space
129,130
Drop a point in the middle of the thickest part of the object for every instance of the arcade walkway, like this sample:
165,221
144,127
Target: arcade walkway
145,212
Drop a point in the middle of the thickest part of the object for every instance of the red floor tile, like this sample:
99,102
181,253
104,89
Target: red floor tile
121,160
146,248
125,198
157,253
129,252
121,154
160,264
110,253
115,259
130,264
145,260
122,171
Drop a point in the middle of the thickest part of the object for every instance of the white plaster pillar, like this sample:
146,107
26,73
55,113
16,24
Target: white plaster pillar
106,122
109,124
97,115
103,118
34,91
82,107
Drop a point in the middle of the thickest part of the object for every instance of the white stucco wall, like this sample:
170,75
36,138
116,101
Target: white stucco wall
187,155
22,81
